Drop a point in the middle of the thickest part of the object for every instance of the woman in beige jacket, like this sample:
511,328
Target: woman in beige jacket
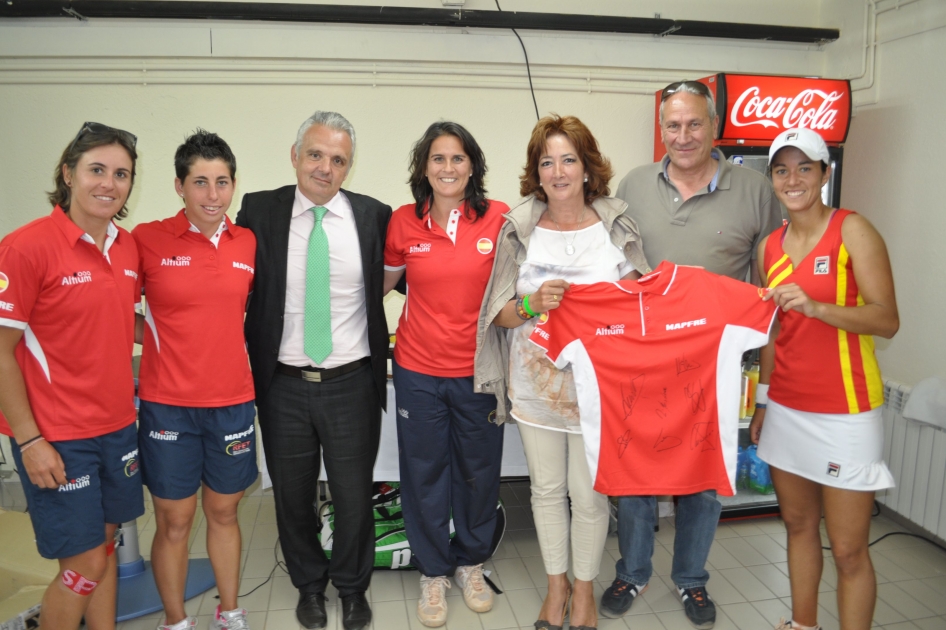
566,230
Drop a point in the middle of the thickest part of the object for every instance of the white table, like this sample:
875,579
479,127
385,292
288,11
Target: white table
386,465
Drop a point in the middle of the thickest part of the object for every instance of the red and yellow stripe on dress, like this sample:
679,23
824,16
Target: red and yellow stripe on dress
864,390
779,271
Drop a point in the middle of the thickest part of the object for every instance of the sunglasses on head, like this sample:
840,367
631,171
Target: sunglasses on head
671,89
94,127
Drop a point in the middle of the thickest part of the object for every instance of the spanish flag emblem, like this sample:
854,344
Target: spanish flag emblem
4,282
484,246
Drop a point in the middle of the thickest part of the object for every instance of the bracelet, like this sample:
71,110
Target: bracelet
761,405
525,306
31,443
521,311
762,393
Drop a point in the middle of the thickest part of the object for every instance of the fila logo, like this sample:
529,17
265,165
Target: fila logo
167,436
79,277
822,265
239,265
6,306
176,261
237,436
420,248
679,325
131,274
76,484
834,469
613,329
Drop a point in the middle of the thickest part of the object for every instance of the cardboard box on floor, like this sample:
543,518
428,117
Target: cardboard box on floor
24,574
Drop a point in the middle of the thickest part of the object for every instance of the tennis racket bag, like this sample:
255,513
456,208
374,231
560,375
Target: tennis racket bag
392,549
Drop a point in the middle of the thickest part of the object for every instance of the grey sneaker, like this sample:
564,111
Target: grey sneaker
699,608
476,593
790,625
230,620
432,604
617,598
191,623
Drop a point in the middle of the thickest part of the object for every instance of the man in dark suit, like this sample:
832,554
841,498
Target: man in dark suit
318,341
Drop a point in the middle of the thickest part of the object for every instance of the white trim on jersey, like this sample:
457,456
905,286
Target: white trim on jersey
672,278
399,268
33,345
12,323
589,399
733,342
149,319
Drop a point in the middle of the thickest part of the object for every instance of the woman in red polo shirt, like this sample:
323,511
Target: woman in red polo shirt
68,287
445,241
197,414
820,423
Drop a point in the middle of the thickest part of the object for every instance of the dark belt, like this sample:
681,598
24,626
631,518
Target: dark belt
318,375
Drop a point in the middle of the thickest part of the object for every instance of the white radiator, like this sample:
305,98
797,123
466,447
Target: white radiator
916,454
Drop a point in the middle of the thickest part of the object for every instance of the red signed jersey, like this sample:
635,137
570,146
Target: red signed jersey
818,367
656,365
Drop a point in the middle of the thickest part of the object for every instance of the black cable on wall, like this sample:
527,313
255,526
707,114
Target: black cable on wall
528,69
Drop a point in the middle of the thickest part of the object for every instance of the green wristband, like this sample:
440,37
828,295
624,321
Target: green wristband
525,307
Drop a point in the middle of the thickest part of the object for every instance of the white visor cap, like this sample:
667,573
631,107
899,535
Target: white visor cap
805,140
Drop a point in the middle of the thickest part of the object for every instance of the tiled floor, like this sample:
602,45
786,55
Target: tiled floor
748,567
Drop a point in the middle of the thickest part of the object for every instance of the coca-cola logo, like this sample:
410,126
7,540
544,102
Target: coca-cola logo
811,108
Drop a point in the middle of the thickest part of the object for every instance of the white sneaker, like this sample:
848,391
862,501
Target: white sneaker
189,623
230,620
476,592
784,624
432,605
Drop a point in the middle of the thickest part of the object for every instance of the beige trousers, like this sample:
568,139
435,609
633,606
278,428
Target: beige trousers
558,471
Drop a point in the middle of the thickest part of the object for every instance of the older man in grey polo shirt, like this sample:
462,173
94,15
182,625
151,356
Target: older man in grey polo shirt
692,208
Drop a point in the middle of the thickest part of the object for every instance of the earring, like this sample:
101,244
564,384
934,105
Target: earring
586,179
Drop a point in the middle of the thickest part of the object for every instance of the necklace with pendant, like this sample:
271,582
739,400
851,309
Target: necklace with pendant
569,247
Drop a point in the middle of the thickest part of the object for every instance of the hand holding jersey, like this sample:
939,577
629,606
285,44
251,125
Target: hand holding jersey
548,296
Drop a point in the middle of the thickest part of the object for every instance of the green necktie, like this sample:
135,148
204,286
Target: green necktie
317,332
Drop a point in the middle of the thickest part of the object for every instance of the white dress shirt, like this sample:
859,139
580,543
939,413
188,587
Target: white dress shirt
346,284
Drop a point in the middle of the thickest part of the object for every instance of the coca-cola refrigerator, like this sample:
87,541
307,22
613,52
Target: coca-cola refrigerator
752,111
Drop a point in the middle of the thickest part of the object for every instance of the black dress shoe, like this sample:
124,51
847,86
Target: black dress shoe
310,611
356,614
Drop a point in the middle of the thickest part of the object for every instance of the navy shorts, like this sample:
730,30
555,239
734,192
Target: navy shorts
184,446
104,487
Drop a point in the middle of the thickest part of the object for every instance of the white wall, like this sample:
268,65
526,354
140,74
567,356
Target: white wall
893,173
255,82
